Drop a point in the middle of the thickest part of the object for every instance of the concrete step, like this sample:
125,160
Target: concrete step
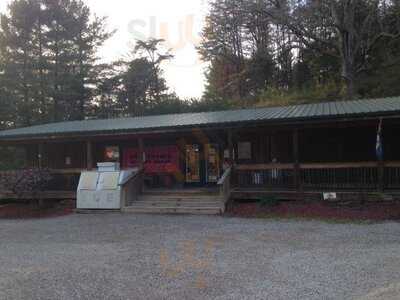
190,201
173,205
178,202
178,198
174,210
182,193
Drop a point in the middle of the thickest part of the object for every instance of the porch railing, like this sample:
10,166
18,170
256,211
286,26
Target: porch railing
364,176
348,176
64,180
271,176
392,176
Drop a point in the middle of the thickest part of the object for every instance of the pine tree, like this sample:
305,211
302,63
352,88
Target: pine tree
49,63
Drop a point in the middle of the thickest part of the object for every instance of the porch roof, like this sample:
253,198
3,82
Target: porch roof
305,112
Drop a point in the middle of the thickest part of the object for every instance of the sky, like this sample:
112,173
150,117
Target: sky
179,22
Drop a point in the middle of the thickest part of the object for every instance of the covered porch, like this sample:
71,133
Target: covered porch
293,159
323,157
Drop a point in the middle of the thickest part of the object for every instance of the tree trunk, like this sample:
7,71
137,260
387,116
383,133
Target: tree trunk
56,93
348,74
344,15
81,112
41,68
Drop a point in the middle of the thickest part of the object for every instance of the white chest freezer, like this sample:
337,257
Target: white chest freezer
102,189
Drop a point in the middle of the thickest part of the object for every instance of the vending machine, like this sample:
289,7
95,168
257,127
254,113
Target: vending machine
212,163
193,164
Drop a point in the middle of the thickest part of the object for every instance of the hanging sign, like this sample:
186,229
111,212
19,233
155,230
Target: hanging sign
111,153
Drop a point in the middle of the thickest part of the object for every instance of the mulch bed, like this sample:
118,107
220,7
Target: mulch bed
34,211
375,211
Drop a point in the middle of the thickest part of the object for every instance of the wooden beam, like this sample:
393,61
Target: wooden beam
261,167
54,171
231,147
66,171
141,151
351,165
89,155
47,195
381,175
296,159
40,155
392,164
273,147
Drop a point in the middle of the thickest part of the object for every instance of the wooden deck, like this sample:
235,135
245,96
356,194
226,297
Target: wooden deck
257,194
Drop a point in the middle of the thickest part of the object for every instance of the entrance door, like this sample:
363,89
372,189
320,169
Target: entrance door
193,164
212,163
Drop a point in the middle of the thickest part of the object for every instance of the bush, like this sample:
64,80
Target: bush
314,94
25,181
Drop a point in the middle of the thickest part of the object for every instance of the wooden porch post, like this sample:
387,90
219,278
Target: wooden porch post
40,155
89,155
230,147
141,151
381,176
296,159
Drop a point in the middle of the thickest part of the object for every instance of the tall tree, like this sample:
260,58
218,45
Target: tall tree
137,86
317,50
347,29
48,50
223,40
19,76
73,39
151,50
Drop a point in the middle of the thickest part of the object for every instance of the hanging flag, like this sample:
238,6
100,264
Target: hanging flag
379,142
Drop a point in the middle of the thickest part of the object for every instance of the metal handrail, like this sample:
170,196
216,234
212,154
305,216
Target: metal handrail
135,174
224,176
225,185
132,187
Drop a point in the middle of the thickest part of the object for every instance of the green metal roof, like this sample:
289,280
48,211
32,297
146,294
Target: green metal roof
328,110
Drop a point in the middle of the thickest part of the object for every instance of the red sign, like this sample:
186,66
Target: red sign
158,160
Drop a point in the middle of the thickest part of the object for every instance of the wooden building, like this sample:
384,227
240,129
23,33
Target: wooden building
294,150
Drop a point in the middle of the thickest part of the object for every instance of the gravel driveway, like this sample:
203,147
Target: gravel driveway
113,256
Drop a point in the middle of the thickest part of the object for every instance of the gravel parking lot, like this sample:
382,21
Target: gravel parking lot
113,256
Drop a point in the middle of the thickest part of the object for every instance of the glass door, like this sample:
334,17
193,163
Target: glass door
212,163
193,164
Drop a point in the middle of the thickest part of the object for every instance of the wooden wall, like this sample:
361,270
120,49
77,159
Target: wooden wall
58,155
266,146
352,143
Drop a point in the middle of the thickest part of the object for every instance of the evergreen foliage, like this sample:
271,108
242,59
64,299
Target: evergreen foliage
259,52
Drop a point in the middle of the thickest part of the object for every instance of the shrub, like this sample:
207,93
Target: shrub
25,181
